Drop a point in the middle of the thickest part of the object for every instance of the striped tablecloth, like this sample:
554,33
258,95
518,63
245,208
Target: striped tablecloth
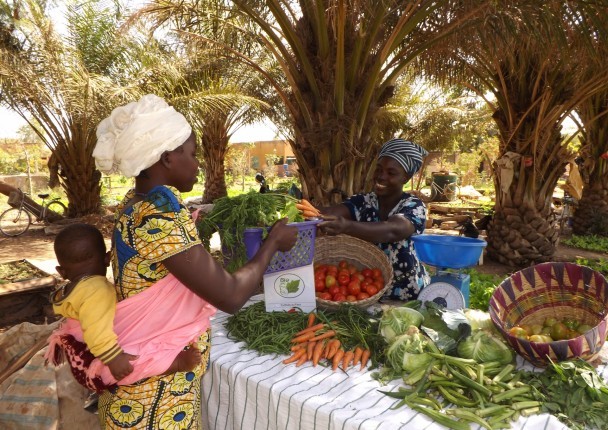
244,390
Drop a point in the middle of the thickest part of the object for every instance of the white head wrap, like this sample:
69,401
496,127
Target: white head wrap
134,136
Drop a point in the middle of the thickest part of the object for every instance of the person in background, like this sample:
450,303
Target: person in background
154,238
388,216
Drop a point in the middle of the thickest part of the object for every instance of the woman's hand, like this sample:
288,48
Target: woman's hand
284,235
333,225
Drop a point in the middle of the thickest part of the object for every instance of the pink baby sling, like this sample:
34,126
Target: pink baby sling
154,325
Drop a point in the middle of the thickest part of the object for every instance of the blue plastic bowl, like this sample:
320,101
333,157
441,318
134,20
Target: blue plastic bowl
452,252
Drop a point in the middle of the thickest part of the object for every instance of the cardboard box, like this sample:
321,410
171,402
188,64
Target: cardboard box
290,289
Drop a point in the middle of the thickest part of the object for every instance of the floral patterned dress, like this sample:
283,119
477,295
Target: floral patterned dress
145,234
409,274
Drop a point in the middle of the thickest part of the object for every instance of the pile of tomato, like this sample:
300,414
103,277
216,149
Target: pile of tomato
550,330
345,283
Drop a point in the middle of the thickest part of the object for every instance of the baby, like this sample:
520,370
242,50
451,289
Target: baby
90,298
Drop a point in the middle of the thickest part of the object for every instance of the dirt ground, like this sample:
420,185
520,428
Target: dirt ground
37,247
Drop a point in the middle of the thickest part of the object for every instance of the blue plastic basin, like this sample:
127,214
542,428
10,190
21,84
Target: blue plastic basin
452,252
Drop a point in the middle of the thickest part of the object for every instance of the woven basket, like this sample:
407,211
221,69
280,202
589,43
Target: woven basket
361,254
555,290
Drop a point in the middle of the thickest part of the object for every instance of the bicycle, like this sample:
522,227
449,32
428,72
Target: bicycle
448,192
17,220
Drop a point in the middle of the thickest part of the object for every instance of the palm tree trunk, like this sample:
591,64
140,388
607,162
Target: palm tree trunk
214,145
591,215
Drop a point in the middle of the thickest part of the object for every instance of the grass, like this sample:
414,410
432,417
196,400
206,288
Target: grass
589,242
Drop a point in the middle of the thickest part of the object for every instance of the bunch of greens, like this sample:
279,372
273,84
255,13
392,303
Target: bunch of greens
481,289
590,242
575,393
230,217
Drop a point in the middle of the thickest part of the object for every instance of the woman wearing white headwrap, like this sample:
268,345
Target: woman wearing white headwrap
155,237
388,216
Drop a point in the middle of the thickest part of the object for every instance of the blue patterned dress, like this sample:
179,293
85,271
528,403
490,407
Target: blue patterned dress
409,274
145,234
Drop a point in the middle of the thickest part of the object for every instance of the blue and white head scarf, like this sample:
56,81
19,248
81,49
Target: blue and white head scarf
406,153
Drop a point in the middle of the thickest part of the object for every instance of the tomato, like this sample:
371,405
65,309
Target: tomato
320,277
334,290
332,270
549,322
343,272
354,288
339,298
352,269
367,273
583,328
571,323
324,295
379,284
518,332
362,296
343,264
559,331
330,281
377,274
371,290
319,285
344,290
343,279
351,298
360,276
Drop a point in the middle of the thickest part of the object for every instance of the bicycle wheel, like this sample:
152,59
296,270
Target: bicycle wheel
451,191
14,222
55,210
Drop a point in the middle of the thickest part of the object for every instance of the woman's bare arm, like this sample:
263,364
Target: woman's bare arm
206,277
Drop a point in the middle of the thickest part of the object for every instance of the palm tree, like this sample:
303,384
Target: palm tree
526,55
591,214
237,89
57,83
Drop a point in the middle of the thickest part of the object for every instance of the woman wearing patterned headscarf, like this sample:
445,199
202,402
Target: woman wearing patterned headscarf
155,238
388,216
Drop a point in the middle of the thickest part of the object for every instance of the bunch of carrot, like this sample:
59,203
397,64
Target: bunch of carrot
319,341
307,209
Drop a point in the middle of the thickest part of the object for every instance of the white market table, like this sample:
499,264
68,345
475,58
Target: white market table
244,390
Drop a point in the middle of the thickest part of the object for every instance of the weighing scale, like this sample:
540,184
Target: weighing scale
448,288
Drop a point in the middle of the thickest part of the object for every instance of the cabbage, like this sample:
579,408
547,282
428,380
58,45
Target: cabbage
482,346
479,319
409,351
395,321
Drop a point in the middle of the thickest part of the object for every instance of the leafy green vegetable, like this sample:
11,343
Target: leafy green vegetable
483,347
409,351
599,265
481,288
590,242
575,393
396,320
479,319
230,217
445,327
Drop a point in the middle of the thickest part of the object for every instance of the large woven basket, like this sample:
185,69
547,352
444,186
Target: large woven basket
556,290
361,254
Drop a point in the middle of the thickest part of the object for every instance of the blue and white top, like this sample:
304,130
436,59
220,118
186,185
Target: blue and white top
409,275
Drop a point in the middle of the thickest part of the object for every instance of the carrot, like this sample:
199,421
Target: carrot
303,359
347,359
309,329
337,359
327,334
295,356
309,214
310,349
357,355
332,347
303,337
316,354
298,346
365,358
308,205
311,320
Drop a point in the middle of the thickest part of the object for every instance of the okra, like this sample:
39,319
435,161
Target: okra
470,383
480,370
456,400
415,376
525,405
469,416
497,398
424,401
445,383
441,418
506,374
493,410
401,394
508,414
529,411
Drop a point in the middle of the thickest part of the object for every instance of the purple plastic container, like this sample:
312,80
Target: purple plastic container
301,254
